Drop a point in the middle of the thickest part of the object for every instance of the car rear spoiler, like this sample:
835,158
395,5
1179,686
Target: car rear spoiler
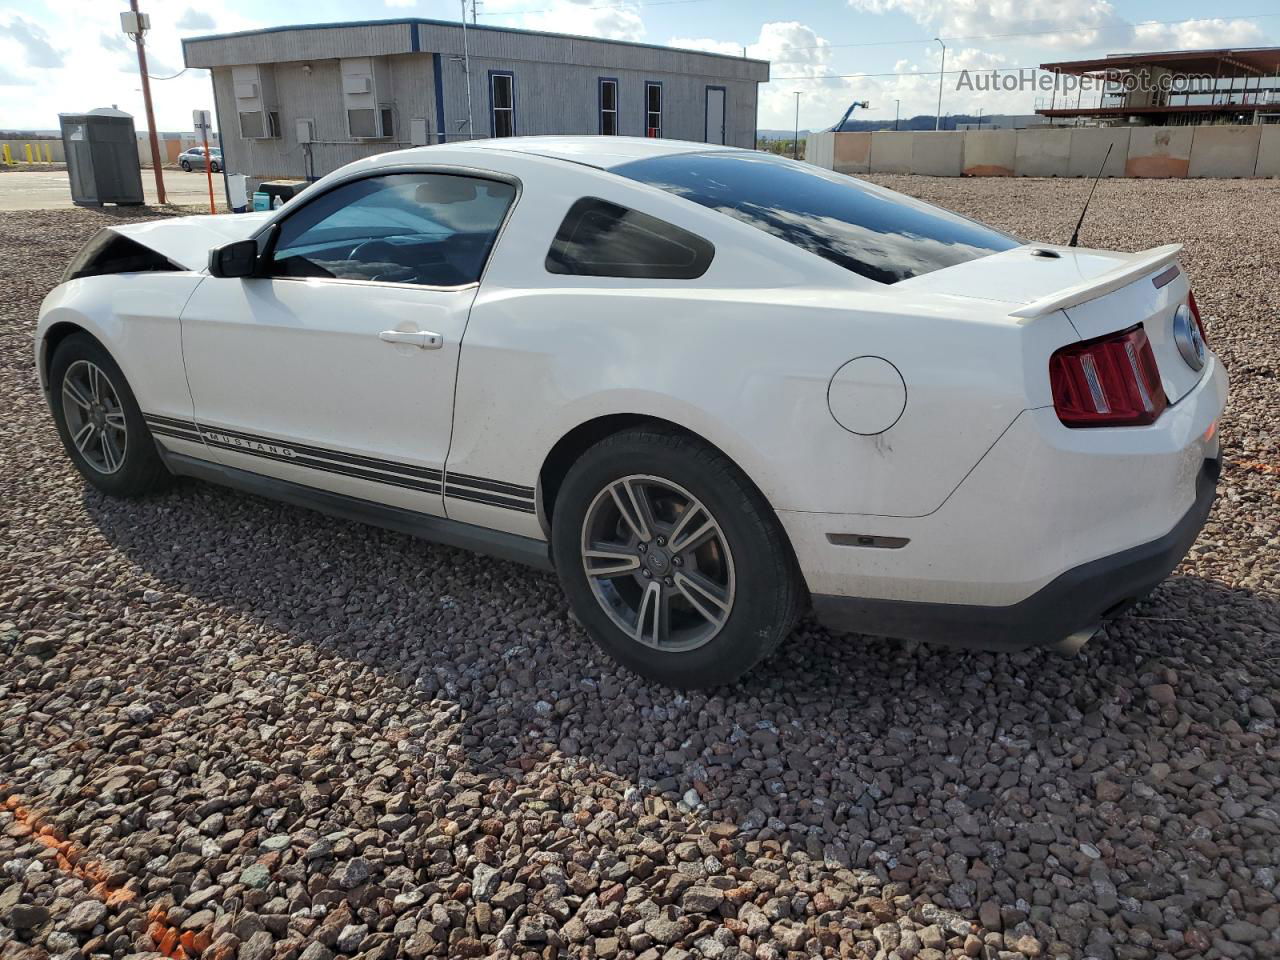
1083,292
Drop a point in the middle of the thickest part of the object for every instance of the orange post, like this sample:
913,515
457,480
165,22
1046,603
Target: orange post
208,167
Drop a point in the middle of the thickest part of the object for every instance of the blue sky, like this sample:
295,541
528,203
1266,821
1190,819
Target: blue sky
69,55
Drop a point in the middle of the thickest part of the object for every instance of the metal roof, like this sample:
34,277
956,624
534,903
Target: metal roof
416,22
1251,60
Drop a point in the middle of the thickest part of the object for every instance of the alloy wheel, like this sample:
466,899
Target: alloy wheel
658,563
94,416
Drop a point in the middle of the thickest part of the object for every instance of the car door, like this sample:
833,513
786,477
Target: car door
335,367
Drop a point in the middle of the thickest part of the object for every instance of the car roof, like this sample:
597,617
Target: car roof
600,151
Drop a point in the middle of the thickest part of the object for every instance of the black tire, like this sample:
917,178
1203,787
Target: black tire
769,594
214,168
141,471
185,166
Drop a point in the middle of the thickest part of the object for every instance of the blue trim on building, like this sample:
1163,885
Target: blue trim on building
662,107
438,74
617,103
415,42
493,119
427,22
724,112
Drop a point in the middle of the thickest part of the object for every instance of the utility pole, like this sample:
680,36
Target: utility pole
466,69
135,25
795,144
937,124
897,107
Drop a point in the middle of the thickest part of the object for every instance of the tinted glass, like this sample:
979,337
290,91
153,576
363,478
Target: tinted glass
602,239
608,95
430,229
875,233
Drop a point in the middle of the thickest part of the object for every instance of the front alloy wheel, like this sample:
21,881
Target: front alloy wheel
658,563
95,416
674,562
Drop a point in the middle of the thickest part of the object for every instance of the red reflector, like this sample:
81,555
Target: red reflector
1195,312
1111,381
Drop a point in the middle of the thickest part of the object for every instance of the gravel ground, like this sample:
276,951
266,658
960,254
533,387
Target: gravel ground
232,726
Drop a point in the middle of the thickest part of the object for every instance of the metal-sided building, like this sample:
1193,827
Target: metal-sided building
302,101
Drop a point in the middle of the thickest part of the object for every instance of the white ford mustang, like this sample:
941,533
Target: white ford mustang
707,386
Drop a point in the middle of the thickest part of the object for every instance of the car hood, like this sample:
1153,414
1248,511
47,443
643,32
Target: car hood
187,240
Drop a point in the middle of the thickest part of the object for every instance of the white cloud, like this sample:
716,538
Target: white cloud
195,20
401,3
586,18
99,66
1051,23
31,39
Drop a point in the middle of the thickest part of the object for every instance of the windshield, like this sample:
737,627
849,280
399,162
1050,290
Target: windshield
875,233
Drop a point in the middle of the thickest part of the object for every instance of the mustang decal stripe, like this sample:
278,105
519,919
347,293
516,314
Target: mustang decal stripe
514,490
342,470
229,435
493,493
453,494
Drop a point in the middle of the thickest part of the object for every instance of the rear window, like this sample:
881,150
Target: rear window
875,233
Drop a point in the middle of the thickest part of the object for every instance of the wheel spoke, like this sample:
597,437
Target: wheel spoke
110,455
633,503
116,421
95,383
652,622
706,597
83,436
606,561
688,533
72,392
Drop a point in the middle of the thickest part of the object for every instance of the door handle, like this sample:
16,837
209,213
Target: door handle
423,339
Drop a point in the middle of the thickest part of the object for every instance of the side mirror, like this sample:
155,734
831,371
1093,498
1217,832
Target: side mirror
238,259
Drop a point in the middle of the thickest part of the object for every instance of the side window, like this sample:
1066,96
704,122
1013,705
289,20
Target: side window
608,107
426,228
602,239
502,96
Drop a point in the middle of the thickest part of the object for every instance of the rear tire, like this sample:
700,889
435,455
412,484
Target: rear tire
214,168
100,423
185,166
672,560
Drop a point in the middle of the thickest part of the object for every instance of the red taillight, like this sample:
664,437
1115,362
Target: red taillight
1195,312
1110,381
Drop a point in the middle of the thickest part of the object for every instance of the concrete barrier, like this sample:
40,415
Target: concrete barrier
1043,153
989,153
891,151
1269,152
937,154
1216,151
1159,152
819,149
1090,144
853,153
1224,151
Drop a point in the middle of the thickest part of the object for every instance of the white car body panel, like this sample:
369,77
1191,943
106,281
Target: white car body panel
994,496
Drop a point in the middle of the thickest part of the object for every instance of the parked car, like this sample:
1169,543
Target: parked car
709,387
194,157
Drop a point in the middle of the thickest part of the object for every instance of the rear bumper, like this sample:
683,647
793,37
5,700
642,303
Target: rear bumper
1077,600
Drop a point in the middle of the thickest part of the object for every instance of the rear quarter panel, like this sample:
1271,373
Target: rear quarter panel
742,356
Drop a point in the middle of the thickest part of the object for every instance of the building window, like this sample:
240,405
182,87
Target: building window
502,98
653,109
602,239
608,107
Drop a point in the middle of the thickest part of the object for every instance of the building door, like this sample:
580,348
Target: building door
715,115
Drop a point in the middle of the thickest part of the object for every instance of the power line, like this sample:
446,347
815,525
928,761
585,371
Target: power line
1030,33
911,73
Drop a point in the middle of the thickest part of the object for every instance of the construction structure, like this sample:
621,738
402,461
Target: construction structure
301,101
1167,89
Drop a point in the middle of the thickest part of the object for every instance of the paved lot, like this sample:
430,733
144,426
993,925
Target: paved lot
241,726
50,190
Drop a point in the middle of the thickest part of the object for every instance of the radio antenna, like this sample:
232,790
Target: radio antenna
1075,237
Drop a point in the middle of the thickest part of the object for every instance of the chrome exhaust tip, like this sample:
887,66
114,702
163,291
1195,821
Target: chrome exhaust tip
1069,646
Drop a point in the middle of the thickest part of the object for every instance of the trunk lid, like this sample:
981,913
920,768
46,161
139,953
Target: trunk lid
1100,291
